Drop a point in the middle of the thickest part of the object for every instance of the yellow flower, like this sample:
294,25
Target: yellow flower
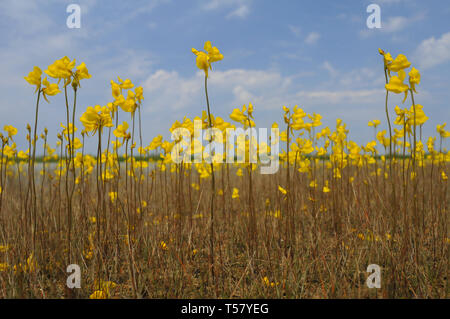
121,130
34,77
235,194
31,265
139,93
282,190
396,84
112,196
61,69
441,130
268,283
127,84
96,118
238,116
163,245
213,53
49,89
98,294
444,176
313,184
116,91
374,123
3,267
80,74
129,105
11,130
414,78
400,63
386,57
325,188
204,60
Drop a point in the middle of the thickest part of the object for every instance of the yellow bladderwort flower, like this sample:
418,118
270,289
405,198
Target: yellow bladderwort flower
163,245
70,130
116,91
4,267
98,294
80,74
326,189
313,184
384,141
96,118
11,130
121,130
282,190
76,144
130,103
400,63
387,57
213,52
238,116
414,78
126,85
235,194
204,60
34,77
112,196
139,93
421,118
49,89
374,123
441,130
155,143
396,84
61,69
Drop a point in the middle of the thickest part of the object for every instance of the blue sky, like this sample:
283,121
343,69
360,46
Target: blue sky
319,55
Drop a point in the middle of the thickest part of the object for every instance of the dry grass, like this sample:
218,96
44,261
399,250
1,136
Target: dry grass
309,244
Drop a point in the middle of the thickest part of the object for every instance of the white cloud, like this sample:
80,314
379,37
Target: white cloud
312,38
240,12
394,24
171,90
331,70
239,8
26,17
266,89
432,51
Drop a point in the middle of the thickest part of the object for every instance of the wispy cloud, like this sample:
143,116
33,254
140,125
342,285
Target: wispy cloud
432,52
312,38
236,8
